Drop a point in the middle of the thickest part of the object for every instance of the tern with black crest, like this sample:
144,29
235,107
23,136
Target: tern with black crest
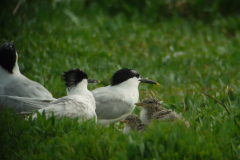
79,101
115,102
12,82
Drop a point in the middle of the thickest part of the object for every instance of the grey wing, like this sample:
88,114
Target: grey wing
110,104
27,88
21,104
69,108
111,110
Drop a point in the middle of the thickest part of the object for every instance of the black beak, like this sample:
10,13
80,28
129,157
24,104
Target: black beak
92,80
144,80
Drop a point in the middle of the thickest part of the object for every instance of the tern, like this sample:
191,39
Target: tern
151,109
115,102
12,82
131,123
79,101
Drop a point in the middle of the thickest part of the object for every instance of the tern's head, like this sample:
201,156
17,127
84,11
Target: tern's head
126,74
74,77
8,57
151,104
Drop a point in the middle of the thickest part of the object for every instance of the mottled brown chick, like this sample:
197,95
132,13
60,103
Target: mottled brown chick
131,123
151,109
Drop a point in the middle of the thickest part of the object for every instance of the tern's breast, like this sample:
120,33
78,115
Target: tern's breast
132,95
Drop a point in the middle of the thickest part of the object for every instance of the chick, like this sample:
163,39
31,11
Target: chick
151,109
131,123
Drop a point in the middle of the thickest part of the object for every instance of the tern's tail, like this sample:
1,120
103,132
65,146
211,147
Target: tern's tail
23,104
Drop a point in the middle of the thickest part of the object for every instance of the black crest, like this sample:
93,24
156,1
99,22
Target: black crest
123,75
73,77
8,56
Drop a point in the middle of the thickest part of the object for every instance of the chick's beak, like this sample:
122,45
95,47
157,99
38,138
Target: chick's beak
143,105
139,104
125,121
93,81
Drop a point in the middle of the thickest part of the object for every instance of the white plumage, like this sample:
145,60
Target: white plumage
79,103
12,82
113,103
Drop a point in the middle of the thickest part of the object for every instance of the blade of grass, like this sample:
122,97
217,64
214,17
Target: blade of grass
218,102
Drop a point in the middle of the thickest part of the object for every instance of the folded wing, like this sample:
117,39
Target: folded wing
111,104
21,104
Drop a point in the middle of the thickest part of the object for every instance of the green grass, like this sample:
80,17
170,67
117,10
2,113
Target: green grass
185,56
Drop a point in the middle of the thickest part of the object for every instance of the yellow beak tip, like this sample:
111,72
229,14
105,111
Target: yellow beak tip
157,84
